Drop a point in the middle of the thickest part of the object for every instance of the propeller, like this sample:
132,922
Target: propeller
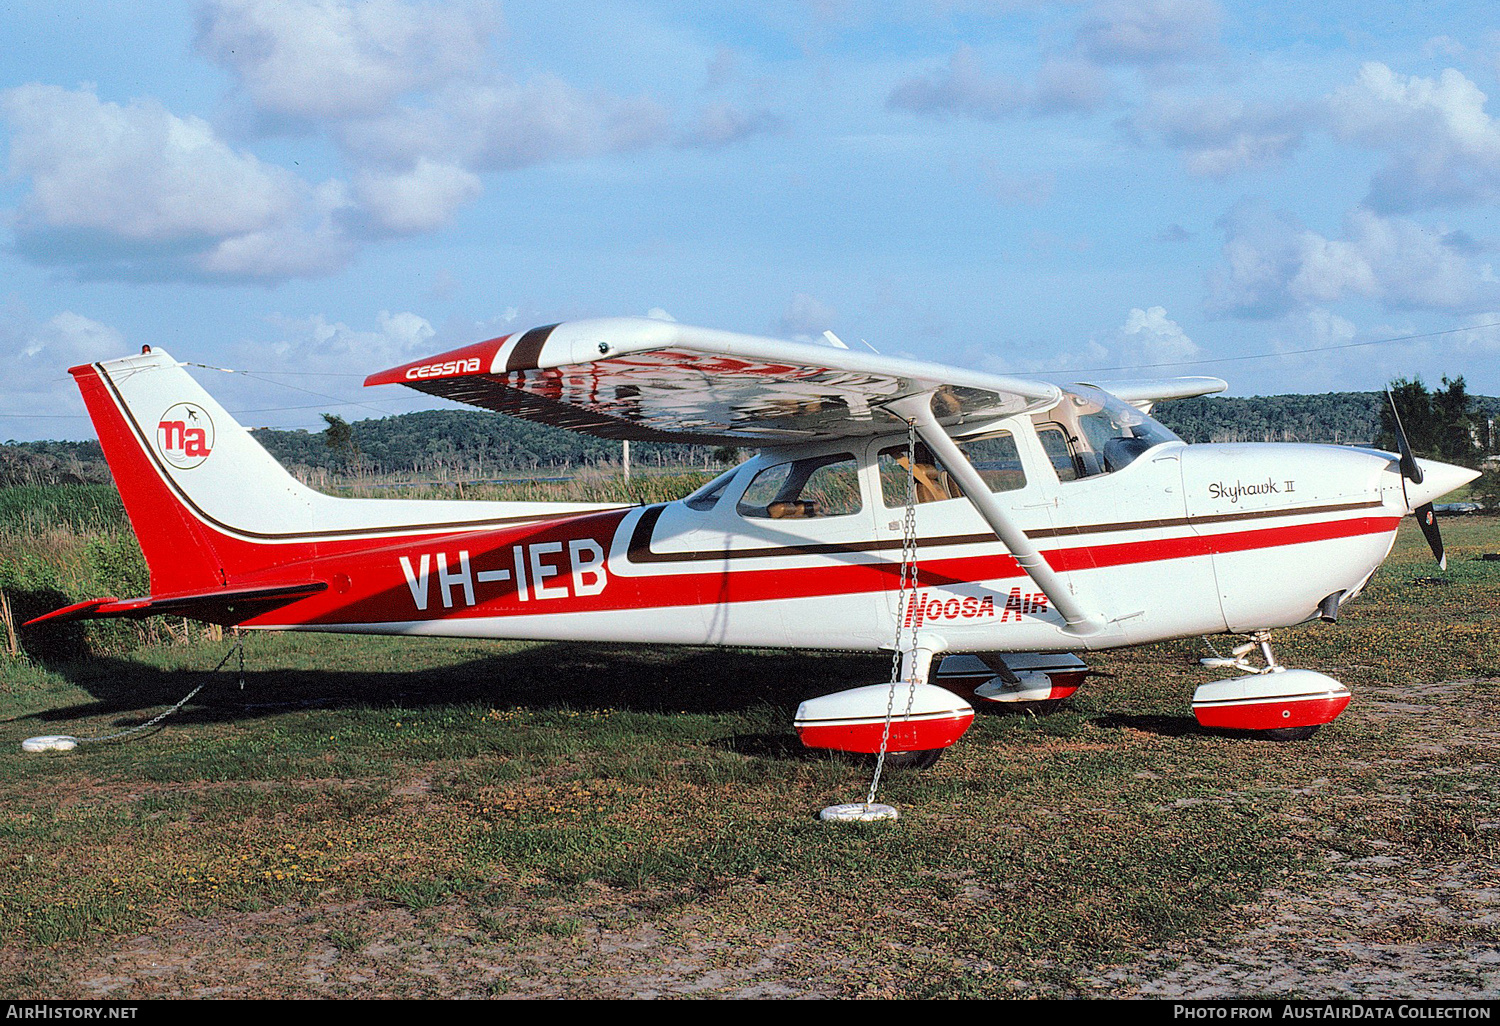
1427,517
1412,471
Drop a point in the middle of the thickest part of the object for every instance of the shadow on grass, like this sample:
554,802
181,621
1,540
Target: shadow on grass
784,745
549,676
55,644
1187,726
1161,726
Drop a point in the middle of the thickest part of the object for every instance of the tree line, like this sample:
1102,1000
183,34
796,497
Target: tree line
1445,423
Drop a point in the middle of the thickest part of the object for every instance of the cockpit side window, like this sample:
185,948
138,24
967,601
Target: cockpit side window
994,456
1055,443
819,486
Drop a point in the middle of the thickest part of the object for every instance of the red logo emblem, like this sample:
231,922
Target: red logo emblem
185,435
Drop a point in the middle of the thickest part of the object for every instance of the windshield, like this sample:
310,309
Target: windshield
708,496
1092,432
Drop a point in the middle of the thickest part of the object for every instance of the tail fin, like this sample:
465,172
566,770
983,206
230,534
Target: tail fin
203,496
214,511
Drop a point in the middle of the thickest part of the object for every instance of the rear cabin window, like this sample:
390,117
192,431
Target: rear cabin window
819,486
994,456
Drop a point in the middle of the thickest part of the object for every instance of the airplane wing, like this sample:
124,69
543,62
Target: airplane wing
649,380
1146,393
637,378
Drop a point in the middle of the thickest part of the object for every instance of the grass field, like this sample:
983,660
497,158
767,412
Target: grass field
389,817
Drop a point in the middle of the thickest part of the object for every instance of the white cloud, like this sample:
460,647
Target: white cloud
806,318
337,59
406,90
1444,46
720,124
1062,87
1274,265
1483,340
1222,135
66,340
722,68
1148,32
1069,86
1146,341
1325,328
1329,368
1144,34
311,246
419,200
963,89
135,191
1441,145
37,357
1011,189
501,124
1150,337
136,172
316,344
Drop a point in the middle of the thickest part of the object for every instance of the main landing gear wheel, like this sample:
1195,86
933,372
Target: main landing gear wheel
1289,733
1046,707
912,760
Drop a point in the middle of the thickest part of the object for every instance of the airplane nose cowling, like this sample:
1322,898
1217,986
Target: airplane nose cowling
1438,479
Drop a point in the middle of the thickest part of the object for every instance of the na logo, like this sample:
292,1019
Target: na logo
185,435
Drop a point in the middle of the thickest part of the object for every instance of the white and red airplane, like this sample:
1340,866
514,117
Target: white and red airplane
1040,521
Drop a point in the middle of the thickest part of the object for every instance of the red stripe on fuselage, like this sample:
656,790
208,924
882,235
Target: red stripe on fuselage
378,591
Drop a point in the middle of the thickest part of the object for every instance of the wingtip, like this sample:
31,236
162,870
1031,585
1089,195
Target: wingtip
478,358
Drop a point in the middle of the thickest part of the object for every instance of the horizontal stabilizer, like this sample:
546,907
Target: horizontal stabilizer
225,606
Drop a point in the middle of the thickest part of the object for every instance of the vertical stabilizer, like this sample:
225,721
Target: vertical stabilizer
198,488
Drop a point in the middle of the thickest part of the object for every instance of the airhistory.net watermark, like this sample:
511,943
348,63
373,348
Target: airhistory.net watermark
37,1010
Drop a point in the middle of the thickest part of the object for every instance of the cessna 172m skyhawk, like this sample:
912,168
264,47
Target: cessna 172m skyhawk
1040,520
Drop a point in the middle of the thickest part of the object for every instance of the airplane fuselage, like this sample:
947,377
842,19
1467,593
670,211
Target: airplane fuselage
1141,536
1185,540
895,505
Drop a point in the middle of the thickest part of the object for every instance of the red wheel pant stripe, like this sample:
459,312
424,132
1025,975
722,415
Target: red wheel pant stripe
865,738
1306,712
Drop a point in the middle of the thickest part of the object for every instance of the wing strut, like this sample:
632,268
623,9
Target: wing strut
918,408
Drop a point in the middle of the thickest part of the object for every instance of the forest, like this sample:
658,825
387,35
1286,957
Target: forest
477,445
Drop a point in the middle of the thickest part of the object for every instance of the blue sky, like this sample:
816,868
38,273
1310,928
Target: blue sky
307,191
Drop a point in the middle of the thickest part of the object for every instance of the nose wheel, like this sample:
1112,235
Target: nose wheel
1269,701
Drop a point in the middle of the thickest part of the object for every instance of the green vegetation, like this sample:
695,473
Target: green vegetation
1440,425
464,443
52,463
468,445
448,818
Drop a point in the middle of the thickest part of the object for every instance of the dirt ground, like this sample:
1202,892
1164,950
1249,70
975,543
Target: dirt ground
1400,921
1403,919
